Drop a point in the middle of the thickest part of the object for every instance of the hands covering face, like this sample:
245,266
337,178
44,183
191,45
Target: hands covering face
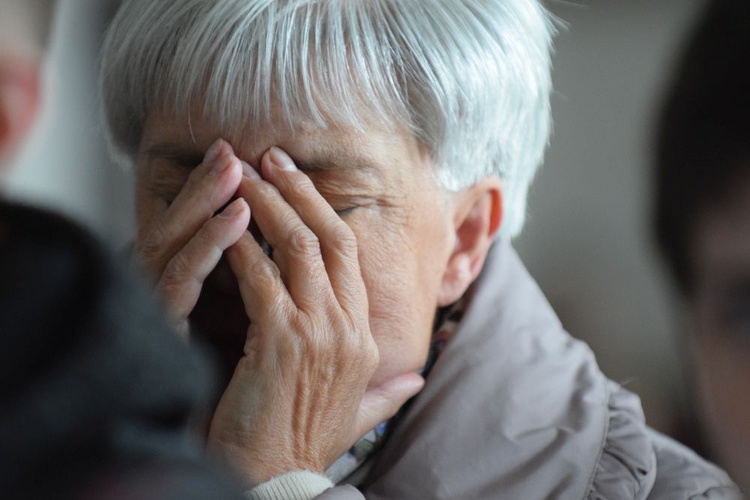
298,398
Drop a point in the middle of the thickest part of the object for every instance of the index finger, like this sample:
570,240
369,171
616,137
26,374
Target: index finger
338,244
207,189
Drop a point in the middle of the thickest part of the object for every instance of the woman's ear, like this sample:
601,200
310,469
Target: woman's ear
19,102
478,212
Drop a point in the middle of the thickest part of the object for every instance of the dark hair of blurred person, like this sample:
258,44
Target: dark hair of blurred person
95,391
703,220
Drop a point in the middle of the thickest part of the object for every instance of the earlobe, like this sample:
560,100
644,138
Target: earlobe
478,216
19,101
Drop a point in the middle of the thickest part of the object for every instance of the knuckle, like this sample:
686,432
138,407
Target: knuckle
265,274
364,347
307,336
176,274
179,267
302,241
372,355
152,242
342,239
266,190
299,186
358,342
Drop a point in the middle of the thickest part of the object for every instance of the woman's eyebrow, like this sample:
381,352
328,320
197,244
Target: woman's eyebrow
335,163
192,157
188,157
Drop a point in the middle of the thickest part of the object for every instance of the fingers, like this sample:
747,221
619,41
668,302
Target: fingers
381,403
299,392
261,286
315,251
296,246
337,243
181,282
210,186
182,244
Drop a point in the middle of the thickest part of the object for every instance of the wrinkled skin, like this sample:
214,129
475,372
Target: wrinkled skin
325,338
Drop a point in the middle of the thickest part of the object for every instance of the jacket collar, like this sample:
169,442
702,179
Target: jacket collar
514,404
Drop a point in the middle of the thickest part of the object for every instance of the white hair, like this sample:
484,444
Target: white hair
469,78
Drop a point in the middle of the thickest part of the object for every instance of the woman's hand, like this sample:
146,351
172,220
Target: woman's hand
182,245
298,398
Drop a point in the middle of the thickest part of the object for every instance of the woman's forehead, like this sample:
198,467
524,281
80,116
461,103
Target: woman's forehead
276,117
315,148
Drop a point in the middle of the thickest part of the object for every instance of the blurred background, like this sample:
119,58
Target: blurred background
587,240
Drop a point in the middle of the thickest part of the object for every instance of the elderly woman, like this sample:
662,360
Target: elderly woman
380,153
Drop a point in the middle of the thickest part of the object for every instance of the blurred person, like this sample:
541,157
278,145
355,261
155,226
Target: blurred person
23,30
702,220
326,192
95,390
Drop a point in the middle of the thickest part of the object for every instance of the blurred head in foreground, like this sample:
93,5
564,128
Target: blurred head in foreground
703,219
96,390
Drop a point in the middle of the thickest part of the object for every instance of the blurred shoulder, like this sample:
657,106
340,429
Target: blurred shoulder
682,474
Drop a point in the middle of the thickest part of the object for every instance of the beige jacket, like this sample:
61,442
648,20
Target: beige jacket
516,408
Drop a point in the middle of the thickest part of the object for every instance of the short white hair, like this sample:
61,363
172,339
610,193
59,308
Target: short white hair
469,78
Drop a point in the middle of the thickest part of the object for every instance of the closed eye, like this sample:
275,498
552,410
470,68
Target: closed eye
342,212
167,178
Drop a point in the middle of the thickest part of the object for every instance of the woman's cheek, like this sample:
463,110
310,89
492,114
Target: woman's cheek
402,300
400,347
400,325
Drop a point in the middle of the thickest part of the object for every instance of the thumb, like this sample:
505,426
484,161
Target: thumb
382,402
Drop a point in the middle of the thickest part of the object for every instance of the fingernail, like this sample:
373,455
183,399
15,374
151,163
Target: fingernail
233,209
221,164
281,159
213,152
250,172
